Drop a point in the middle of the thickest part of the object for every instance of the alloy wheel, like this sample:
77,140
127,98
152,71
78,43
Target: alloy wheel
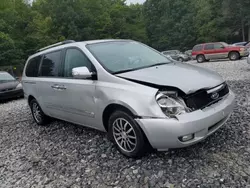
36,112
233,56
124,135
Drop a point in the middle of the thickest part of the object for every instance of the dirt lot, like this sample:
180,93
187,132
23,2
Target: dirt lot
66,155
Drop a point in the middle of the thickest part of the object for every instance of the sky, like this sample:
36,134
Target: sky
135,1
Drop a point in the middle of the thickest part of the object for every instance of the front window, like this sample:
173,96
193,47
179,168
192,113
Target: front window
75,58
124,56
218,46
6,77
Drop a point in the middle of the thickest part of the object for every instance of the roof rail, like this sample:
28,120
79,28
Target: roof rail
56,44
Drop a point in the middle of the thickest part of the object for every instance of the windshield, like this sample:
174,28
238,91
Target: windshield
224,44
4,76
123,56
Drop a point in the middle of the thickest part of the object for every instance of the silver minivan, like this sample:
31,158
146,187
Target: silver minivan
133,92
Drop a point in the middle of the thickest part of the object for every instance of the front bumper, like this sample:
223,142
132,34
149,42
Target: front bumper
248,59
164,133
11,94
244,53
185,58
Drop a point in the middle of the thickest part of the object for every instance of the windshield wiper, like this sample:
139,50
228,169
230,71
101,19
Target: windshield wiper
128,70
157,64
3,81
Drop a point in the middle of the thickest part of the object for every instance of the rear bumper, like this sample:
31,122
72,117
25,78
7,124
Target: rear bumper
165,133
11,94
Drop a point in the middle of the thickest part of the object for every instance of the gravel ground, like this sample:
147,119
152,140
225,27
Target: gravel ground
230,70
66,155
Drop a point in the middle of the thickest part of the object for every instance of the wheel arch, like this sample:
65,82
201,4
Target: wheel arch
117,106
109,109
233,51
30,98
200,54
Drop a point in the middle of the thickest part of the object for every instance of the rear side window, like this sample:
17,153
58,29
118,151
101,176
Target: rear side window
51,64
209,47
33,67
197,48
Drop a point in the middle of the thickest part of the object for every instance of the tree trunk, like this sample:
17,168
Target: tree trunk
249,31
243,29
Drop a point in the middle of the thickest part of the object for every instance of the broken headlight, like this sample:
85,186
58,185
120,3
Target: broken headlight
170,104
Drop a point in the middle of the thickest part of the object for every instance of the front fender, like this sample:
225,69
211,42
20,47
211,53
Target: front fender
139,99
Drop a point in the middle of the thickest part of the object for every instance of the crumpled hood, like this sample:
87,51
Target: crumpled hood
188,78
8,85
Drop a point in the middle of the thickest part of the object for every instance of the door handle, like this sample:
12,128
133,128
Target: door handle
62,87
59,87
55,86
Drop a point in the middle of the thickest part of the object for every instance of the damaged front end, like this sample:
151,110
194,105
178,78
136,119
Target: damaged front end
173,101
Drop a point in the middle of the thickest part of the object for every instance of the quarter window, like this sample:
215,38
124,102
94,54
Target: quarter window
51,64
75,58
209,47
197,48
33,67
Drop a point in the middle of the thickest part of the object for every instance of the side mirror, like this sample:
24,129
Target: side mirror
81,72
222,47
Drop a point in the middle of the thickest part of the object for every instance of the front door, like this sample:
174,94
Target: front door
76,96
220,51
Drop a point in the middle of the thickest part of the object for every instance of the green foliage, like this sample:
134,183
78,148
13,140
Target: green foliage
181,24
25,28
163,24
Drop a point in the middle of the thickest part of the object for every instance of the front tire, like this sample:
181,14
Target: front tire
200,58
180,59
233,56
127,135
37,113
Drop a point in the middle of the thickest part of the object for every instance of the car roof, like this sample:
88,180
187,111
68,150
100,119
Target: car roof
77,44
208,43
171,50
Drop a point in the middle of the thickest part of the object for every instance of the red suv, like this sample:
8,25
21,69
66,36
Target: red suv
218,50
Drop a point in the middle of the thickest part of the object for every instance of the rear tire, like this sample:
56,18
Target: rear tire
200,58
127,135
37,113
233,56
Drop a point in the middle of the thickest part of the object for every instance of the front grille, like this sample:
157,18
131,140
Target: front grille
202,98
4,90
